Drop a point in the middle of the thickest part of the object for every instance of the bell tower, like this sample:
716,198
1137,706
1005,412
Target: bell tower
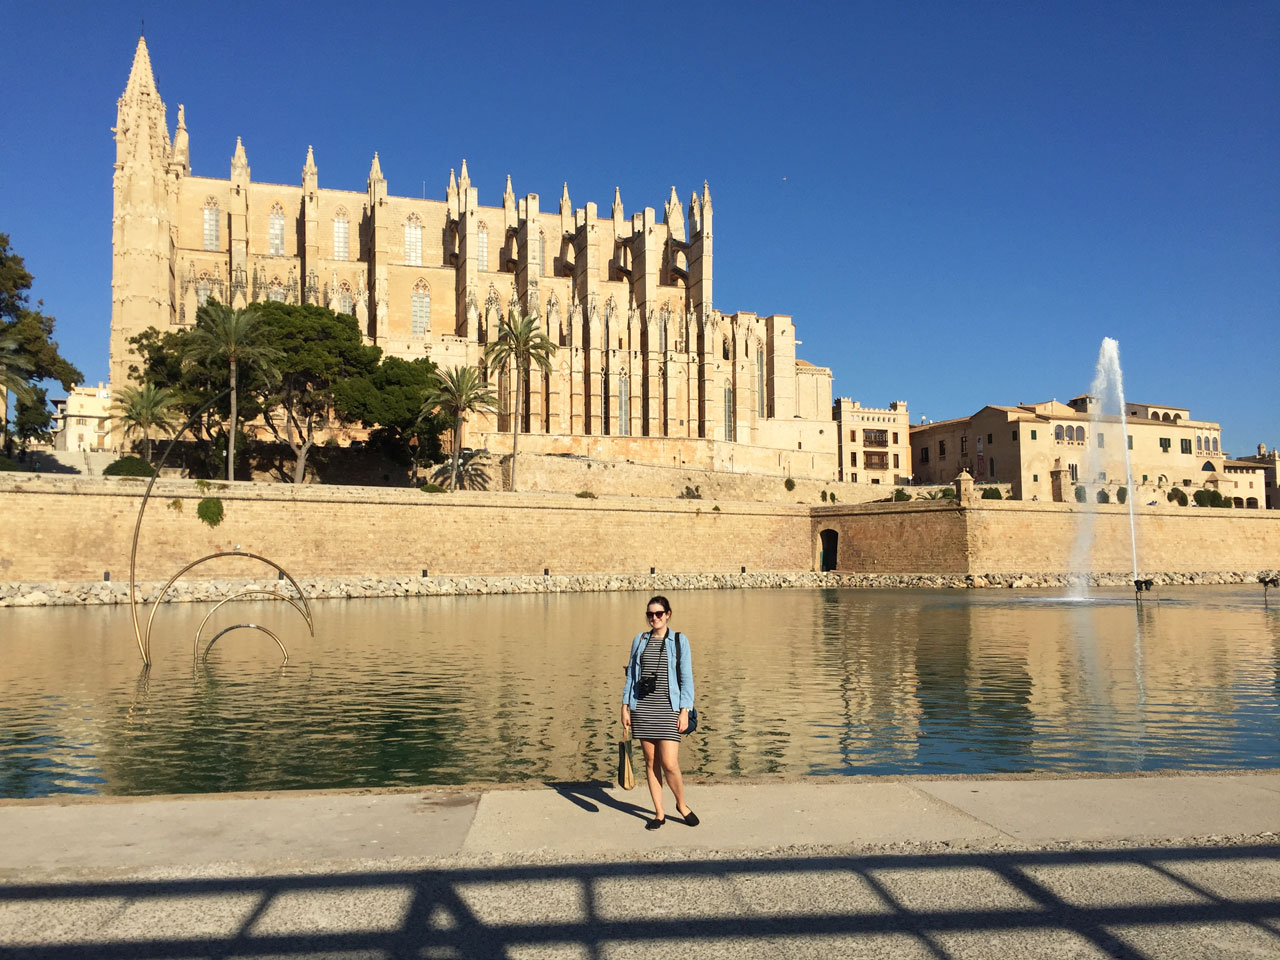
145,181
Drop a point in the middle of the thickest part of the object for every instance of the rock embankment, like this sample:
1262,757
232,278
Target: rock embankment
322,588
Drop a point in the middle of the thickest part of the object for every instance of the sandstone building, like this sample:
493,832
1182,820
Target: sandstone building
648,369
82,421
1025,445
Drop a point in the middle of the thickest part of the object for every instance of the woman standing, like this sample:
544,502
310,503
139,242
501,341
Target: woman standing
656,701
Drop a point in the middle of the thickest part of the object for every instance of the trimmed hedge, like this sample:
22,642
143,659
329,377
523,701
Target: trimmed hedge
129,467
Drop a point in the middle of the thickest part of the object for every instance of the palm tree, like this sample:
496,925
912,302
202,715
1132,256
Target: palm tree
521,343
140,411
235,337
13,370
455,393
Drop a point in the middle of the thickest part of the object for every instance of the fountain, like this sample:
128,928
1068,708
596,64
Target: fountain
1107,400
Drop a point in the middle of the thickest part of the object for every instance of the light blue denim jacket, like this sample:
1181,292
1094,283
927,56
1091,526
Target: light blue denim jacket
681,691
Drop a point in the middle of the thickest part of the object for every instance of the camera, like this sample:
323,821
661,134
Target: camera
646,686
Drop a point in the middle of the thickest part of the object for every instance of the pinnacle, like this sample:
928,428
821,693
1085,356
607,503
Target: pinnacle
142,81
375,169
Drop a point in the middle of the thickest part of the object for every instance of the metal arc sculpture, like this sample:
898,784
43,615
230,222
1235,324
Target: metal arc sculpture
144,637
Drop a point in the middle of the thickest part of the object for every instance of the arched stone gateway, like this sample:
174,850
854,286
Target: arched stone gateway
829,552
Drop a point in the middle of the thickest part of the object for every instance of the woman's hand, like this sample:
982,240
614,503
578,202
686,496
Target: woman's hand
682,724
626,716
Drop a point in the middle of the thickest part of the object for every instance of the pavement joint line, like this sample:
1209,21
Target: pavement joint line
919,790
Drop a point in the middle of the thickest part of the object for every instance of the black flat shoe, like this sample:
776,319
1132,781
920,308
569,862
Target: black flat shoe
691,819
655,824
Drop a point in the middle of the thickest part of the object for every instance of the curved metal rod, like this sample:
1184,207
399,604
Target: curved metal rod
247,626
146,647
249,593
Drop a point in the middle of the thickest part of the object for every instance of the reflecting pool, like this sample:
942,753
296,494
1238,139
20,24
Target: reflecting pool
526,688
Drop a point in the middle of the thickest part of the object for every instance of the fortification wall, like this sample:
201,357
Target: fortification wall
76,528
1012,537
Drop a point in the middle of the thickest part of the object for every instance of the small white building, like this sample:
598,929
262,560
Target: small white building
82,421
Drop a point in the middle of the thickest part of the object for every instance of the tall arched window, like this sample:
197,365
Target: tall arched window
1057,432
724,347
1199,444
1215,444
421,309
413,241
203,289
341,235
345,302
211,224
275,290
482,248
760,390
624,406
275,231
542,253
1080,434
730,427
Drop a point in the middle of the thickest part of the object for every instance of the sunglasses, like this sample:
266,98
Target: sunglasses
655,614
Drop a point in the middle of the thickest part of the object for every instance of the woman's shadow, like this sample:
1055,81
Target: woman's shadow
591,795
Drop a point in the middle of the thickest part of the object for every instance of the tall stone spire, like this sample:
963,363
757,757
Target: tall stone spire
695,214
142,82
451,196
375,169
142,132
706,199
508,193
309,168
565,206
464,178
617,203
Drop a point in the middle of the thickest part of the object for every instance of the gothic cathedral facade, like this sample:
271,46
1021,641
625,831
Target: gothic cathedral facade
647,369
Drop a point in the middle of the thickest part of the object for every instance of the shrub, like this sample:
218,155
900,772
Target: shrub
716,508
129,467
789,484
690,493
899,495
7,464
1103,496
1178,497
1081,495
430,487
824,496
1201,497
585,495
210,511
992,493
1122,495
832,496
948,493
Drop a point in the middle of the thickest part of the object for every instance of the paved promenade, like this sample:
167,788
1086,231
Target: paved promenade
1158,867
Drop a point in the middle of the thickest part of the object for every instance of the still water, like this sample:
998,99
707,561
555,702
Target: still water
526,688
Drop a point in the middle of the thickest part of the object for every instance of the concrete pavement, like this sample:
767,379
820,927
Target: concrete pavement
1167,866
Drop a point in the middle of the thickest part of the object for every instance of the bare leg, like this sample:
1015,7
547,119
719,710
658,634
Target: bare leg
654,774
669,758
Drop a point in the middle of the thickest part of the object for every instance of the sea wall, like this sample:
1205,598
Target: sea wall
75,529
1013,537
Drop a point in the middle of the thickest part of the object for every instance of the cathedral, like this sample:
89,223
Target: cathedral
647,369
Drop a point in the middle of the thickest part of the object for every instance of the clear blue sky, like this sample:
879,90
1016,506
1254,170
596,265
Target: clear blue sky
956,201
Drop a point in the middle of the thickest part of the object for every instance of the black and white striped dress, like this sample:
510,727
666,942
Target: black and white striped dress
652,718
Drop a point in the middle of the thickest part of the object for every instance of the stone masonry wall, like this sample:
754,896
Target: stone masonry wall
74,529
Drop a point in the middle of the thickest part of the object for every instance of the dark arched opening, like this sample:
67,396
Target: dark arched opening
1208,465
830,549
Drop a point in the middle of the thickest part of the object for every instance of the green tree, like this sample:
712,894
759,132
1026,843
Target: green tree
319,350
28,352
143,409
1103,496
992,493
521,345
453,394
389,400
32,420
238,339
